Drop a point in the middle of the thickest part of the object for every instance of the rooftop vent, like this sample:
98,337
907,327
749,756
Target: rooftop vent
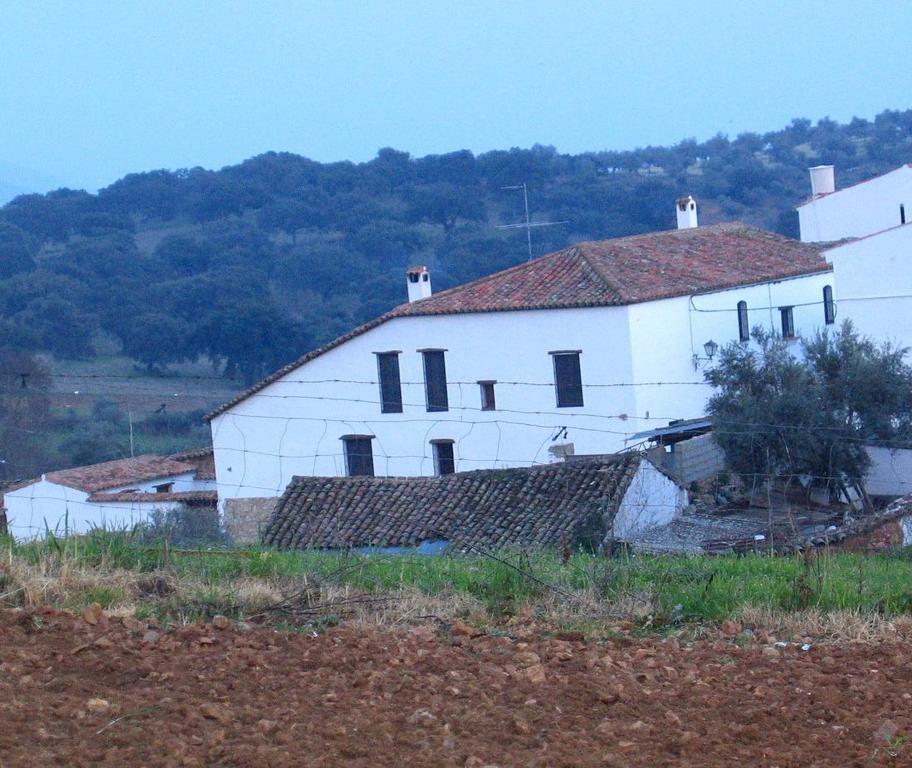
418,281
686,208
823,180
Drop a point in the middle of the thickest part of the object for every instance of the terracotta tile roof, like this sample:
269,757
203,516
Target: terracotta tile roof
191,498
539,507
110,474
626,270
202,459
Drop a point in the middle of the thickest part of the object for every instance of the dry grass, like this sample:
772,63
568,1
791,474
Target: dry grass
836,626
687,597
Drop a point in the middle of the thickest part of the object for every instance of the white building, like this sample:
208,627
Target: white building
871,265
114,494
570,353
872,206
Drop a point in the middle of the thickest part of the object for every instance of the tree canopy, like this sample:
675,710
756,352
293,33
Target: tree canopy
319,247
781,413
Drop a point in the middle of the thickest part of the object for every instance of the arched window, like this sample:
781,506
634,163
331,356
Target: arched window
829,308
743,327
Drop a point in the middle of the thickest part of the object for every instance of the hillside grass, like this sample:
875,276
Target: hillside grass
592,593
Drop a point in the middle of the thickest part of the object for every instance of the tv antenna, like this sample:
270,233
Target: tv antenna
527,223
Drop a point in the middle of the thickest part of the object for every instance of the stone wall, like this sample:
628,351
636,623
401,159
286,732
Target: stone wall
246,519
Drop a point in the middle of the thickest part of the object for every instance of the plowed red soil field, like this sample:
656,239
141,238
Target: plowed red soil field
115,693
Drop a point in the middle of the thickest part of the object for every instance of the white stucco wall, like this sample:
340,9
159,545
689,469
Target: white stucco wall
875,284
629,356
43,505
667,334
890,473
294,425
860,210
652,499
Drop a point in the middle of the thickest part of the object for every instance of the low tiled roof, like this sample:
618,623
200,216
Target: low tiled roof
191,498
626,270
544,506
111,474
203,460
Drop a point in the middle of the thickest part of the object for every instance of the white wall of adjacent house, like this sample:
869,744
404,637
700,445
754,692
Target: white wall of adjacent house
890,473
860,210
44,506
875,284
637,369
652,499
669,336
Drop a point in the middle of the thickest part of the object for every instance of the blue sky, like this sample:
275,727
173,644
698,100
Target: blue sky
93,90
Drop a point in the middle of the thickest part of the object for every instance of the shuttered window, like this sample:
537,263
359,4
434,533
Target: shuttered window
568,383
359,456
743,326
788,322
435,385
444,457
488,403
390,382
829,308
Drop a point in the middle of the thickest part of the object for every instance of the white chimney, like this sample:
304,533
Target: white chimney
823,182
418,280
687,212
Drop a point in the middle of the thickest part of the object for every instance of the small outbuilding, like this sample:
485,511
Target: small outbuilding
112,494
578,504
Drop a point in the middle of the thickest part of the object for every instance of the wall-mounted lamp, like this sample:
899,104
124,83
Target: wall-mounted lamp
710,348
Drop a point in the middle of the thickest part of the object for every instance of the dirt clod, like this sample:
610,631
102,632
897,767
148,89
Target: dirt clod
363,697
92,613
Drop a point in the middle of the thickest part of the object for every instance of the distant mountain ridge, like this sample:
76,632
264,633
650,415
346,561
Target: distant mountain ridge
250,265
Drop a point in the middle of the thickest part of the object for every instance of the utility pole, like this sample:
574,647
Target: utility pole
130,415
528,223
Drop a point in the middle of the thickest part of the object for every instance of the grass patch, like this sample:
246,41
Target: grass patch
588,592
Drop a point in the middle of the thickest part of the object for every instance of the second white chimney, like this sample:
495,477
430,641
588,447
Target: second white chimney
823,180
686,208
418,280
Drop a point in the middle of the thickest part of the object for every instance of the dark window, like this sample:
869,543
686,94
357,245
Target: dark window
444,459
164,488
390,384
568,382
435,385
359,456
488,403
829,308
744,333
788,322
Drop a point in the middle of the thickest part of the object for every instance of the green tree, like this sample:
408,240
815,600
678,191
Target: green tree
781,415
17,251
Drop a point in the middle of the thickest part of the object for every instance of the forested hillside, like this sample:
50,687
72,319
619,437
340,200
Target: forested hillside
246,267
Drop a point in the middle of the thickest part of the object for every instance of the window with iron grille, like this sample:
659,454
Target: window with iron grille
444,457
435,384
488,403
359,455
390,382
568,383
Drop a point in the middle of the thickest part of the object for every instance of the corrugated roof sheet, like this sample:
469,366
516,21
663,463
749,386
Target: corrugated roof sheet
192,498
